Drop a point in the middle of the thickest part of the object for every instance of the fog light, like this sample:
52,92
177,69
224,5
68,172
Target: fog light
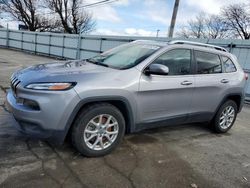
19,101
31,104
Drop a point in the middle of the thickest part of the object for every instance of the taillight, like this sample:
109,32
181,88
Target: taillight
246,76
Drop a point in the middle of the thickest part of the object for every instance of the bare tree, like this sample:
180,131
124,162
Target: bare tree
197,26
194,29
81,21
216,27
237,19
26,11
204,26
72,15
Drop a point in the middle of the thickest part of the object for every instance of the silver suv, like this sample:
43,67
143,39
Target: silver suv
135,86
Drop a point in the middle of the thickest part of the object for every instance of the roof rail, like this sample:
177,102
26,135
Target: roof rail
198,44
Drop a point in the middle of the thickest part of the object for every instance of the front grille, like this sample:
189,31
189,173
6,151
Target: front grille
14,83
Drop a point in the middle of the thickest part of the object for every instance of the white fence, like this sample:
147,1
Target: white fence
75,47
60,45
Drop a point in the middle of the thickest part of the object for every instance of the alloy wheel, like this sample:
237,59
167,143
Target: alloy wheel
101,132
227,117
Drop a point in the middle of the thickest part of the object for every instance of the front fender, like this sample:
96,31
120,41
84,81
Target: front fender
89,100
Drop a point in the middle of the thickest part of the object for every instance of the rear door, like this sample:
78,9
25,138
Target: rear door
211,84
167,97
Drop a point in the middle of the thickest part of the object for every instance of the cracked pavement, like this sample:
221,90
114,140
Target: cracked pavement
180,156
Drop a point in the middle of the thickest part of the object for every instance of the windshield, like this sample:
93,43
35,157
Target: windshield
125,56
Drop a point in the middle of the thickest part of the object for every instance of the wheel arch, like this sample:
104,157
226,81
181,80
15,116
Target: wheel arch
236,97
120,102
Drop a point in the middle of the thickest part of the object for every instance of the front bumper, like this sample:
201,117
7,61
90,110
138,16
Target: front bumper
51,119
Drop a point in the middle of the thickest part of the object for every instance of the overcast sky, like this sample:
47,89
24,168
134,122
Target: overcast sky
144,17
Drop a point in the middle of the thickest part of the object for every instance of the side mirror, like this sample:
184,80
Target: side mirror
157,69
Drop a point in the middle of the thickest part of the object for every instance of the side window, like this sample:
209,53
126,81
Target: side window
228,65
178,61
208,63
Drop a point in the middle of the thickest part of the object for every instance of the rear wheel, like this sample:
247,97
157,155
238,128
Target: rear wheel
225,117
98,129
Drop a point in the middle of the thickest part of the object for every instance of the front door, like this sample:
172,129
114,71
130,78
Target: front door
167,97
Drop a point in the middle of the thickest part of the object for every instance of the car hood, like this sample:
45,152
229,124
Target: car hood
67,71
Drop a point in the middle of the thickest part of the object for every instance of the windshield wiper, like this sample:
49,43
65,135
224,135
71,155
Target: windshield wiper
91,60
102,64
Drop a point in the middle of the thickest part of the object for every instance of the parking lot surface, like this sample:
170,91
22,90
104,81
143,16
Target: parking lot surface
177,156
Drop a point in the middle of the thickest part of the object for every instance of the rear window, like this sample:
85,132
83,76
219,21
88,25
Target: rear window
228,64
208,63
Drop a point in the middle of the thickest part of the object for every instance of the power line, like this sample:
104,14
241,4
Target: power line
92,5
100,2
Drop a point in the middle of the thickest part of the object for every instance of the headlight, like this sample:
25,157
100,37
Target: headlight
51,86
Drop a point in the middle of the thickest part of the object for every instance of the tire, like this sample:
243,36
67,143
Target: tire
98,129
230,109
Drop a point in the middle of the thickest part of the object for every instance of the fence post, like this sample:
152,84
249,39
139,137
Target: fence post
49,43
100,46
35,42
78,53
231,47
21,40
7,36
63,46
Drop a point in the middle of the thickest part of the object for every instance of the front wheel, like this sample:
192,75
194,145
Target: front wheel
98,129
225,117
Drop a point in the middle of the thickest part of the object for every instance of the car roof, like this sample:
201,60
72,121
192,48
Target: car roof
183,42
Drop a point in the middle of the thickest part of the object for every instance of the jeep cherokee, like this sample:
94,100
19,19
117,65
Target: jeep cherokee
139,85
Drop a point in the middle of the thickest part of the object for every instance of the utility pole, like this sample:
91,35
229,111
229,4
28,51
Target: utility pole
173,20
157,33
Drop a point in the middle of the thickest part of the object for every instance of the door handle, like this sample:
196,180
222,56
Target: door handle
224,81
186,83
